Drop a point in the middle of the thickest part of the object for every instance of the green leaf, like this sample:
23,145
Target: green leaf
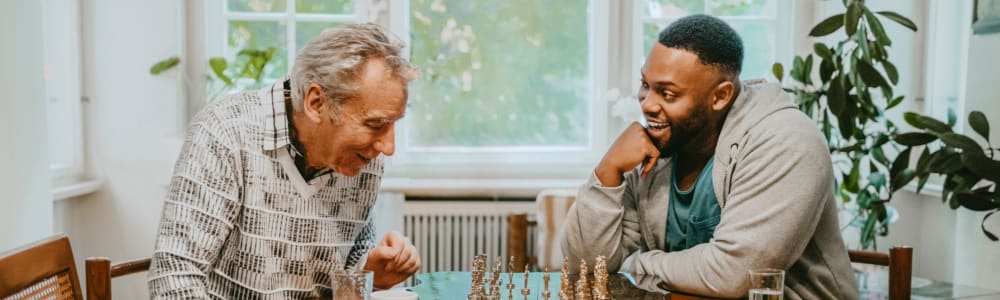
219,65
852,17
960,141
901,163
835,96
826,70
870,76
880,156
979,164
822,50
987,232
922,162
876,179
976,201
945,163
798,69
164,65
778,71
978,122
891,71
899,19
868,231
914,138
807,73
924,122
952,118
828,26
903,178
894,102
877,29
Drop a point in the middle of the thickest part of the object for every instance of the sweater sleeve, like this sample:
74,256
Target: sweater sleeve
202,202
770,216
602,221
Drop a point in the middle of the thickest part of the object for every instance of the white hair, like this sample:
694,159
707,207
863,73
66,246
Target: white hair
336,58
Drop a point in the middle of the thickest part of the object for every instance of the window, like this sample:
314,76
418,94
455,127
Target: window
508,88
62,89
764,26
287,25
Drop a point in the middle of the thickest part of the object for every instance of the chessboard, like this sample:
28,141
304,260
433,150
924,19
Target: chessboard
485,283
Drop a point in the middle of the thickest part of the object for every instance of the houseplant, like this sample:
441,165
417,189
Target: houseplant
245,71
848,96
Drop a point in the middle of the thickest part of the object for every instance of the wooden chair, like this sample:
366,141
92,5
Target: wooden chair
517,240
100,271
900,263
41,270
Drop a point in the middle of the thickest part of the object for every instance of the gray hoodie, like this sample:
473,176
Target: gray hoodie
773,179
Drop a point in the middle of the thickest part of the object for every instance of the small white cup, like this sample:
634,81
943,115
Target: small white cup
394,295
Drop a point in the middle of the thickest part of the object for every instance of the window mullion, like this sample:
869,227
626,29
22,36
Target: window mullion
290,27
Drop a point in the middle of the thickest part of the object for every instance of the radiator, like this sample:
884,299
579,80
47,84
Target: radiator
449,234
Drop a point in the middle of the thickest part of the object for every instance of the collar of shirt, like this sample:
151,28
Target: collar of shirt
280,130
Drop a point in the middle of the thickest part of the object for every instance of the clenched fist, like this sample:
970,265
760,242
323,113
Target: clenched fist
392,260
633,147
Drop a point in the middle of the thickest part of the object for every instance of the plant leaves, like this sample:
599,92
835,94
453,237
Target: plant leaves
977,162
877,29
960,141
987,232
894,102
922,162
826,70
952,118
778,70
890,70
947,163
868,231
219,65
899,19
835,96
852,17
876,179
978,122
880,156
163,65
823,51
828,26
869,75
924,122
903,178
914,138
902,161
976,201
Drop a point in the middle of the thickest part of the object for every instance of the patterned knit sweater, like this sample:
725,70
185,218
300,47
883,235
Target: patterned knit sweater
239,221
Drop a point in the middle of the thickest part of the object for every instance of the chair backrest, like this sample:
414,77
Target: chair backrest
900,263
553,206
41,270
100,271
517,241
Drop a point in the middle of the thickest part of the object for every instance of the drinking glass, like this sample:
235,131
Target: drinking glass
351,284
767,284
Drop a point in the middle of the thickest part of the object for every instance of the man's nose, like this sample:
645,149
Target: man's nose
386,143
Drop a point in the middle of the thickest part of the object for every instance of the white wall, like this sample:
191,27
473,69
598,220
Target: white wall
132,124
26,203
977,257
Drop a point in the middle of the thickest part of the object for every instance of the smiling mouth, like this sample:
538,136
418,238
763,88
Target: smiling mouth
656,126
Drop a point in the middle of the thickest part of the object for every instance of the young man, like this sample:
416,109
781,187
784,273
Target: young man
274,189
726,176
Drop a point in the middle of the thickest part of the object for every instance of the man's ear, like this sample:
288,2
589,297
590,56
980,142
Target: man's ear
722,95
313,104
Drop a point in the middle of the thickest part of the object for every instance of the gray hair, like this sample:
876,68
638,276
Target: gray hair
335,60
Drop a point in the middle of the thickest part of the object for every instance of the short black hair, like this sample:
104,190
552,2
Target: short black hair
715,43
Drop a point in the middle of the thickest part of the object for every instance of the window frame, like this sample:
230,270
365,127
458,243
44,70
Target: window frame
63,85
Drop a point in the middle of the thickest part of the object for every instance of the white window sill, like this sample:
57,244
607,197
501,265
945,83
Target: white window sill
76,189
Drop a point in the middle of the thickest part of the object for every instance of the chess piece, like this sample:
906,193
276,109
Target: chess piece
601,278
582,285
525,291
545,285
494,287
510,277
565,283
477,292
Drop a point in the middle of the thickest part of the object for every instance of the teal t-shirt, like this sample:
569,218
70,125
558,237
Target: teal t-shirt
692,214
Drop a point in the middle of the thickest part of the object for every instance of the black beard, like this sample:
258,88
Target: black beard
682,134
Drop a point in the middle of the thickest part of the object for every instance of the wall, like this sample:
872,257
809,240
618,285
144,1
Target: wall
26,204
132,129
979,256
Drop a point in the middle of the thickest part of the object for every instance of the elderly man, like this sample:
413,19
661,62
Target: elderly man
727,176
274,188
